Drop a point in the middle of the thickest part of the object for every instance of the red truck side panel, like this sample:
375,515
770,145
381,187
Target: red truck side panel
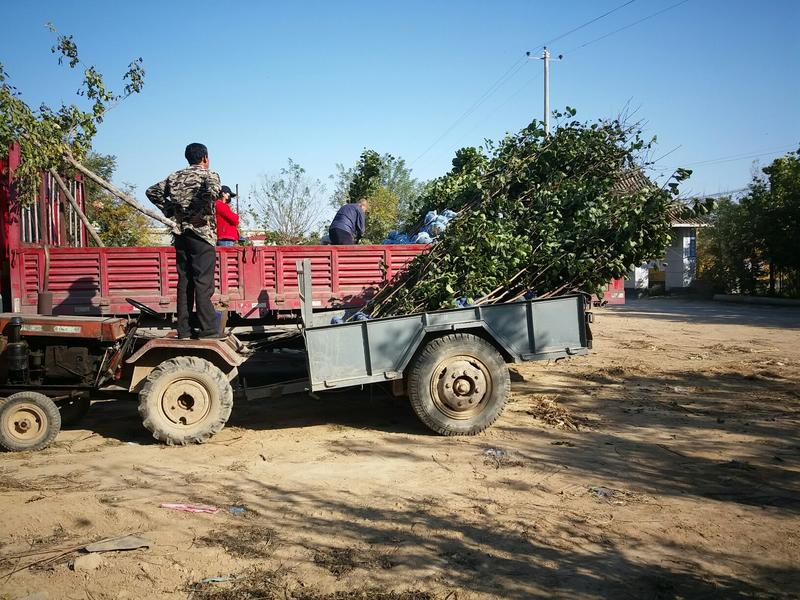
251,281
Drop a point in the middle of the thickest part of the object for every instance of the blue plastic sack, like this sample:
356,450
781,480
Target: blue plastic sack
430,216
436,228
337,321
448,214
360,316
423,237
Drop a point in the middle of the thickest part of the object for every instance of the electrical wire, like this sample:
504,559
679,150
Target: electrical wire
512,70
503,104
623,28
734,157
579,27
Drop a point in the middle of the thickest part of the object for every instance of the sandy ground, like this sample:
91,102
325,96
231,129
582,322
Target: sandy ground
666,464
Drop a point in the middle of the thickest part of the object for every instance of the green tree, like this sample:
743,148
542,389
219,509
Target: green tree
117,223
728,255
387,182
547,215
774,203
454,190
288,206
751,247
50,137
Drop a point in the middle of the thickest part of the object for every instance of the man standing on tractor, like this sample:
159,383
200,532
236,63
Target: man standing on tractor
188,197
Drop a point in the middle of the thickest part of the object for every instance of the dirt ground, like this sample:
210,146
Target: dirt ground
666,464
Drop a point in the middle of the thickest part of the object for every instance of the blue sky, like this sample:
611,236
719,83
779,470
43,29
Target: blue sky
259,82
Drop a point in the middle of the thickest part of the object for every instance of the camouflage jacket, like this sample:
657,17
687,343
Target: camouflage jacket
189,198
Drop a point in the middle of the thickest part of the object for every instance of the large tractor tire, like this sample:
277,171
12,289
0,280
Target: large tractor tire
185,400
458,384
28,421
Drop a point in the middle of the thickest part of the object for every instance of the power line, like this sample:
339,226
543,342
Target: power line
512,70
734,157
503,104
579,27
727,193
628,26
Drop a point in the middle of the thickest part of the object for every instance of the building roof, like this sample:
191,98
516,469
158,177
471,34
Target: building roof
679,220
634,180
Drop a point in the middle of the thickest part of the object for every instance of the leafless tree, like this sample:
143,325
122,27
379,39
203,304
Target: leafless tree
288,205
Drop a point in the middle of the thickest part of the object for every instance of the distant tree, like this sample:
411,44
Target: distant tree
751,247
117,223
728,254
370,174
287,206
774,203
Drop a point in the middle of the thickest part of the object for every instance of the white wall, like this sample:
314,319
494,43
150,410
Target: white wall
681,258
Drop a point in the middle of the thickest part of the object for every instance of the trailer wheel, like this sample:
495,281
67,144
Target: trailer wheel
73,410
28,421
458,384
185,400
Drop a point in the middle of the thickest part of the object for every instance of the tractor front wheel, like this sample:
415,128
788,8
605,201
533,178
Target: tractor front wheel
28,421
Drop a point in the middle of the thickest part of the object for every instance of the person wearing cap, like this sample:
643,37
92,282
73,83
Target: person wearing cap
227,220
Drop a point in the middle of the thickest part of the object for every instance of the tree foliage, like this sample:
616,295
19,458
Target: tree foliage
287,206
540,215
751,246
45,135
117,223
386,181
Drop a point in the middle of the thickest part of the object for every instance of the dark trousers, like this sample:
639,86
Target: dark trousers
340,237
195,260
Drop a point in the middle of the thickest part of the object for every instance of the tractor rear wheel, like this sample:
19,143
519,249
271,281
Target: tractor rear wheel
28,421
185,400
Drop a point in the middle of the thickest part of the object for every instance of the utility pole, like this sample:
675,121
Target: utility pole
545,57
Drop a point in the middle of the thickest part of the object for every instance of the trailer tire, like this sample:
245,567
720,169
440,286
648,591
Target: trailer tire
28,421
185,400
458,384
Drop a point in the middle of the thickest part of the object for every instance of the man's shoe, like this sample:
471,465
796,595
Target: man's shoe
183,336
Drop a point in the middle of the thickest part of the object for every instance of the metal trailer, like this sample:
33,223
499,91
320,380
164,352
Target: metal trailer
452,365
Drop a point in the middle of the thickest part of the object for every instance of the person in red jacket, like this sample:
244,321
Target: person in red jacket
227,220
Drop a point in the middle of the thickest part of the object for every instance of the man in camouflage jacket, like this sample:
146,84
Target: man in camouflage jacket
188,197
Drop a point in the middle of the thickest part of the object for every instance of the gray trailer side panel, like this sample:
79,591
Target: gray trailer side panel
379,350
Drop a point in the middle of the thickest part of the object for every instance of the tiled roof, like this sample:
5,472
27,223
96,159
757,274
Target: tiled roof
681,221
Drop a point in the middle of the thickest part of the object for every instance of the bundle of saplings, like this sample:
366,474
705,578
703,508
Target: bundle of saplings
539,216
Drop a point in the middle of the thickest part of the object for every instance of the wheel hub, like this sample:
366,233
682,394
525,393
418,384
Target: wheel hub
461,385
25,423
186,402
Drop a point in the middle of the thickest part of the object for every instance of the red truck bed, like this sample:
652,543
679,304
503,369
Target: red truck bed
251,281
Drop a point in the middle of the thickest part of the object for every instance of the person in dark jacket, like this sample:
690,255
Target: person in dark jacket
188,197
227,220
349,224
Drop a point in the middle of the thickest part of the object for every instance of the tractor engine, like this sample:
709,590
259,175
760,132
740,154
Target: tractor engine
53,350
